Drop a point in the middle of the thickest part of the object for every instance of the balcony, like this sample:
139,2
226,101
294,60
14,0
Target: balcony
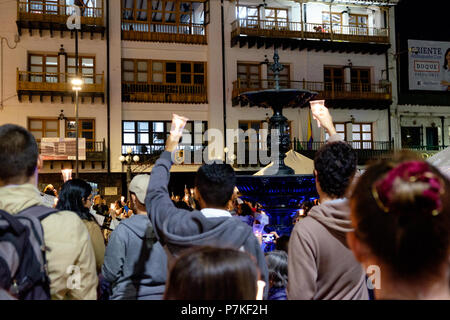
299,35
344,95
366,151
49,15
163,32
57,85
164,93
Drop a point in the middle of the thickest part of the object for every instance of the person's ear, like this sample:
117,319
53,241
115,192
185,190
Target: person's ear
315,173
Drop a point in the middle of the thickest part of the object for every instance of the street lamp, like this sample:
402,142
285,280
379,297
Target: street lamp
77,85
129,160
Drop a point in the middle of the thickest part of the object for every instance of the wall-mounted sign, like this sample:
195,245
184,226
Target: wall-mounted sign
110,191
63,148
429,65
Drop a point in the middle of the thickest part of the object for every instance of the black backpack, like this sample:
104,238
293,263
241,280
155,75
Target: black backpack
23,266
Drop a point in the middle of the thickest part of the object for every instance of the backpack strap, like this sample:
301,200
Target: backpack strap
38,212
14,224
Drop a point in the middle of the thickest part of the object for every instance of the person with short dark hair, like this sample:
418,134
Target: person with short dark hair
76,196
321,266
277,263
208,273
65,235
213,225
401,217
135,262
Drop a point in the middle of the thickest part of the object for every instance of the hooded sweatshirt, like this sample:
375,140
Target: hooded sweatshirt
320,265
178,229
135,262
68,241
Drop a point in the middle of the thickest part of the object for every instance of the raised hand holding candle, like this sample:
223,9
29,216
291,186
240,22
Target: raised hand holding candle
317,107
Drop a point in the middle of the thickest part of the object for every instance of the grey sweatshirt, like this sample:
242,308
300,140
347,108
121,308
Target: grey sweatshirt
135,262
321,266
178,229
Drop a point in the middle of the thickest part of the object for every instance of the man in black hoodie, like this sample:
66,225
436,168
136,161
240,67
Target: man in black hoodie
178,229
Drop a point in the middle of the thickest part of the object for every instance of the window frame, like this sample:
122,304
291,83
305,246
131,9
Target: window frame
360,143
178,74
247,73
43,127
328,85
44,65
137,147
81,130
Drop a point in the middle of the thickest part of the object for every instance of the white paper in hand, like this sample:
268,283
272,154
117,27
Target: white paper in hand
114,224
100,219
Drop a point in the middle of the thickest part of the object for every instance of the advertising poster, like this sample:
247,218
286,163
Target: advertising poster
429,65
62,148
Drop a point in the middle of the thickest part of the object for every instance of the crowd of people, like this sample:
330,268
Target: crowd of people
211,243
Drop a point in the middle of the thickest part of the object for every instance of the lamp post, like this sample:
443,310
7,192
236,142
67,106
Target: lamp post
77,85
129,160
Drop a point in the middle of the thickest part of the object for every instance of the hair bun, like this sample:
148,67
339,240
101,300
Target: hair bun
405,184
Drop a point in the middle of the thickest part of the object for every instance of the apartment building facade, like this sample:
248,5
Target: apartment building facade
143,60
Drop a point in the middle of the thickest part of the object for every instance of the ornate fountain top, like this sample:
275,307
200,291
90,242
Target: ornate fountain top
276,67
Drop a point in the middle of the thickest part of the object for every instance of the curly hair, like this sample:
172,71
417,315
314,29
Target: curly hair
335,164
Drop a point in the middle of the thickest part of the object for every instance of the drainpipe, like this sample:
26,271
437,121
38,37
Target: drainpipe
224,90
442,132
108,100
387,78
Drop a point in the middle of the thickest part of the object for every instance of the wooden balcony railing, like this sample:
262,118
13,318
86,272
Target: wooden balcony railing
57,82
281,29
326,90
51,12
164,93
163,32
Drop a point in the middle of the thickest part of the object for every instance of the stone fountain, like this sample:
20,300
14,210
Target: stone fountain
278,99
280,190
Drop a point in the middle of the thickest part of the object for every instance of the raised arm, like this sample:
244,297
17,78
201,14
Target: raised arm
323,116
159,206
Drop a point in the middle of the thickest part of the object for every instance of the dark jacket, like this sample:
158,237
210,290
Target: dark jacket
179,229
135,262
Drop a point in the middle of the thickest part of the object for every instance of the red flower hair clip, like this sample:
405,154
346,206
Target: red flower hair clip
411,171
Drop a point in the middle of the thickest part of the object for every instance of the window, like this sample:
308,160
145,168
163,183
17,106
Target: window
249,74
284,76
360,79
163,72
250,15
149,137
336,21
43,128
358,24
277,17
86,129
43,67
362,136
86,66
179,14
340,130
43,6
333,78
